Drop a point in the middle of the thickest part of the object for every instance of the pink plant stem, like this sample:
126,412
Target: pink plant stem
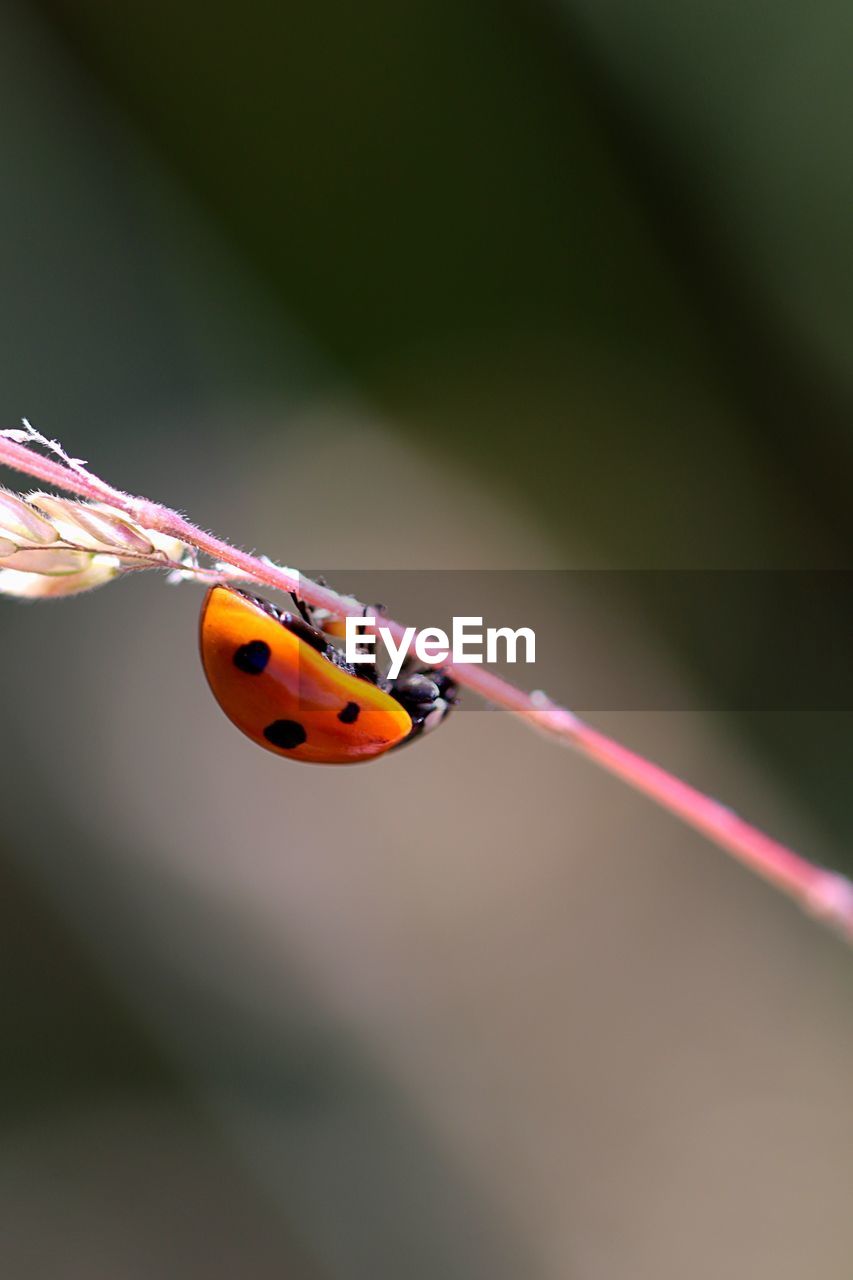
824,894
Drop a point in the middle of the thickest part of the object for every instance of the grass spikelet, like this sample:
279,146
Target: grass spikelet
42,586
21,524
91,525
52,546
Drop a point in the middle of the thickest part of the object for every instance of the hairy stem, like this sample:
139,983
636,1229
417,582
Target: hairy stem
823,893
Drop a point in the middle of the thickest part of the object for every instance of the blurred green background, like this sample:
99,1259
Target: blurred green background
505,286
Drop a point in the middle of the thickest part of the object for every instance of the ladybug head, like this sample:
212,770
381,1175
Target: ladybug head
427,696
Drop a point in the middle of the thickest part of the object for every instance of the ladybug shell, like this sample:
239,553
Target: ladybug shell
286,695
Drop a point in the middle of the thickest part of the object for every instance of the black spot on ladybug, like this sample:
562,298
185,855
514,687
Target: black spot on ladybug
252,658
286,734
350,713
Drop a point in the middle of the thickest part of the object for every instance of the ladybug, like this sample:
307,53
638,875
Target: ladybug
280,679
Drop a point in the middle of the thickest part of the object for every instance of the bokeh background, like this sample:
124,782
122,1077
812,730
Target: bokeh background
517,285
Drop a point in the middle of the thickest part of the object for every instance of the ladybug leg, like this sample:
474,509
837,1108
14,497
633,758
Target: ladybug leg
305,611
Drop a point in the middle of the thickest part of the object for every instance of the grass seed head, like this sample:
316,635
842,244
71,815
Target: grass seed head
51,546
